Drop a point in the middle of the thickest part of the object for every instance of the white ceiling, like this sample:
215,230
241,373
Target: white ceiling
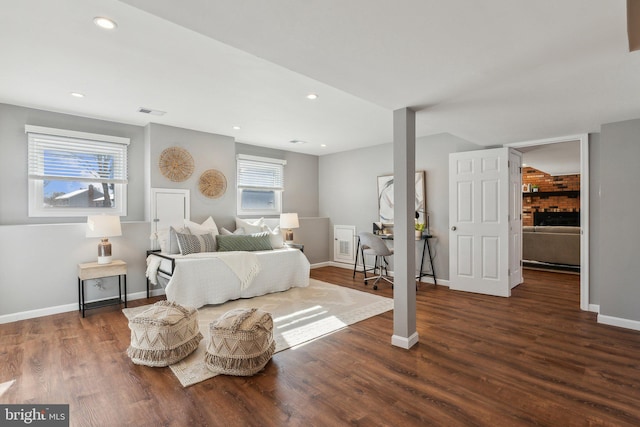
492,72
555,159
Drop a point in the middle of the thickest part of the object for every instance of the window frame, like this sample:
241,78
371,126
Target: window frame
243,160
62,137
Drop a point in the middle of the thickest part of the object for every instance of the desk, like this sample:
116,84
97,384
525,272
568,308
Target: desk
426,249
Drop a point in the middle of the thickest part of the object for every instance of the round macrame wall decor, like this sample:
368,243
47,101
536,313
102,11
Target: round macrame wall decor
212,184
176,164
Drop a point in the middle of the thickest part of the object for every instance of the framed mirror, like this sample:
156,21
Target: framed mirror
385,198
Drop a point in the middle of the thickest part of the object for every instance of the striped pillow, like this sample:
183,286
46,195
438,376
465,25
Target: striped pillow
244,242
193,243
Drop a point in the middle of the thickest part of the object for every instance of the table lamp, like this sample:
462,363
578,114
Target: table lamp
288,221
103,226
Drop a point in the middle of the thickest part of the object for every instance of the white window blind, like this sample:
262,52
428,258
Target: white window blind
260,173
76,173
71,159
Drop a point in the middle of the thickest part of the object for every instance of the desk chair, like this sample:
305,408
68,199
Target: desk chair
375,246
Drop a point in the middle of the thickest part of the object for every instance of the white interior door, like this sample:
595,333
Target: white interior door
515,218
478,221
169,207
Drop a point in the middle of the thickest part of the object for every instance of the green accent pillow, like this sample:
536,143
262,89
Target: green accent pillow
244,242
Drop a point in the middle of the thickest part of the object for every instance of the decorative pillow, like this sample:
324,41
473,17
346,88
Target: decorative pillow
168,240
244,242
275,235
193,243
250,227
208,226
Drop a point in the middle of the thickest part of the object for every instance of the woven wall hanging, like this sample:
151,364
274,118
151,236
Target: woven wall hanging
176,164
212,184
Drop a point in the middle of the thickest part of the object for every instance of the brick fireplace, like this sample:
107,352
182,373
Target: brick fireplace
553,194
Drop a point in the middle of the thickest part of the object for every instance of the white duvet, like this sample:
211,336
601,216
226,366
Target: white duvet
216,277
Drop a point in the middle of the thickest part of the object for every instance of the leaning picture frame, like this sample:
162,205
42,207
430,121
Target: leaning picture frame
386,203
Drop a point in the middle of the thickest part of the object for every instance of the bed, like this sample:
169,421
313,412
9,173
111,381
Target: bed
199,279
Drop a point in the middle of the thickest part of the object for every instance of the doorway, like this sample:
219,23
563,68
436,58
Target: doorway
583,141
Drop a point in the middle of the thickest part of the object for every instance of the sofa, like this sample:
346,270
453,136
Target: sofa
551,244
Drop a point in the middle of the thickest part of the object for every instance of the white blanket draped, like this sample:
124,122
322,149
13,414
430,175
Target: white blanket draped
217,277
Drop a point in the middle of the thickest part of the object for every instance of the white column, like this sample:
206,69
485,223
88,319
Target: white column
404,259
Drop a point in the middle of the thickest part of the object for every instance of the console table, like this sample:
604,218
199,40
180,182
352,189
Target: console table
426,249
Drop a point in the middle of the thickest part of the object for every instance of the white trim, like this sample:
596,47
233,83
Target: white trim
405,342
76,134
47,311
594,308
584,205
619,322
261,159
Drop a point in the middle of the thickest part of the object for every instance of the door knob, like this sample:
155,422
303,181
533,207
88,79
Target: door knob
454,228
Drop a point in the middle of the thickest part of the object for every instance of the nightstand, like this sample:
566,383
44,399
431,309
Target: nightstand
295,246
93,270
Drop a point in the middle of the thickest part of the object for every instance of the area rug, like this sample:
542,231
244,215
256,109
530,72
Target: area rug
299,314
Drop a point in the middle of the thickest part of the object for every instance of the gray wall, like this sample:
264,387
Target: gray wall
348,187
209,151
617,223
14,194
39,256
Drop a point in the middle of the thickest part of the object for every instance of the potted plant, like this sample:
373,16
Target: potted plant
534,188
419,230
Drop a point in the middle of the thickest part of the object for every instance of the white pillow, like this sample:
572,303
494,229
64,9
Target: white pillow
208,226
250,227
275,236
225,232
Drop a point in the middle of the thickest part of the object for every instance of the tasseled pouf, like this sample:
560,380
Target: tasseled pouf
241,342
163,334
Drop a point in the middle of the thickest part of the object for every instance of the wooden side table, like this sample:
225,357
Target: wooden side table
93,270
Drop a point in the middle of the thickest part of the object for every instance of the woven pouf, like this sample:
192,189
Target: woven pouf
163,334
241,342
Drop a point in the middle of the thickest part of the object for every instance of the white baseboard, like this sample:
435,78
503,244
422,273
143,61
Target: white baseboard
47,311
405,342
594,308
619,322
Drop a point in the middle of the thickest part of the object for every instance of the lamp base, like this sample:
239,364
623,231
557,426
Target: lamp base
104,259
288,236
104,251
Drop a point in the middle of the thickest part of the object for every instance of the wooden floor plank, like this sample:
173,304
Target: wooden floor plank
532,359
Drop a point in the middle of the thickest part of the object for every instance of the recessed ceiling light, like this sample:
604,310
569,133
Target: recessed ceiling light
312,96
105,23
297,141
323,145
236,128
77,94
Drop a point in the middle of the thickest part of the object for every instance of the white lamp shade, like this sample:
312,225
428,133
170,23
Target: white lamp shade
103,226
289,220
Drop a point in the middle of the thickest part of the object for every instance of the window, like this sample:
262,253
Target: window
75,173
260,185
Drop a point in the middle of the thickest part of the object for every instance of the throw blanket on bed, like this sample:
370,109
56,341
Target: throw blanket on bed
153,264
243,264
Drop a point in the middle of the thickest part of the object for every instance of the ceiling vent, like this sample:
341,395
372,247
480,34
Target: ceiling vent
297,141
150,111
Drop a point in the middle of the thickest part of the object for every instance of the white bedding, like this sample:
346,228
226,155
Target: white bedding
205,278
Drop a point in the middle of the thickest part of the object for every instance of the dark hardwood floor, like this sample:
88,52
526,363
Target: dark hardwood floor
532,359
